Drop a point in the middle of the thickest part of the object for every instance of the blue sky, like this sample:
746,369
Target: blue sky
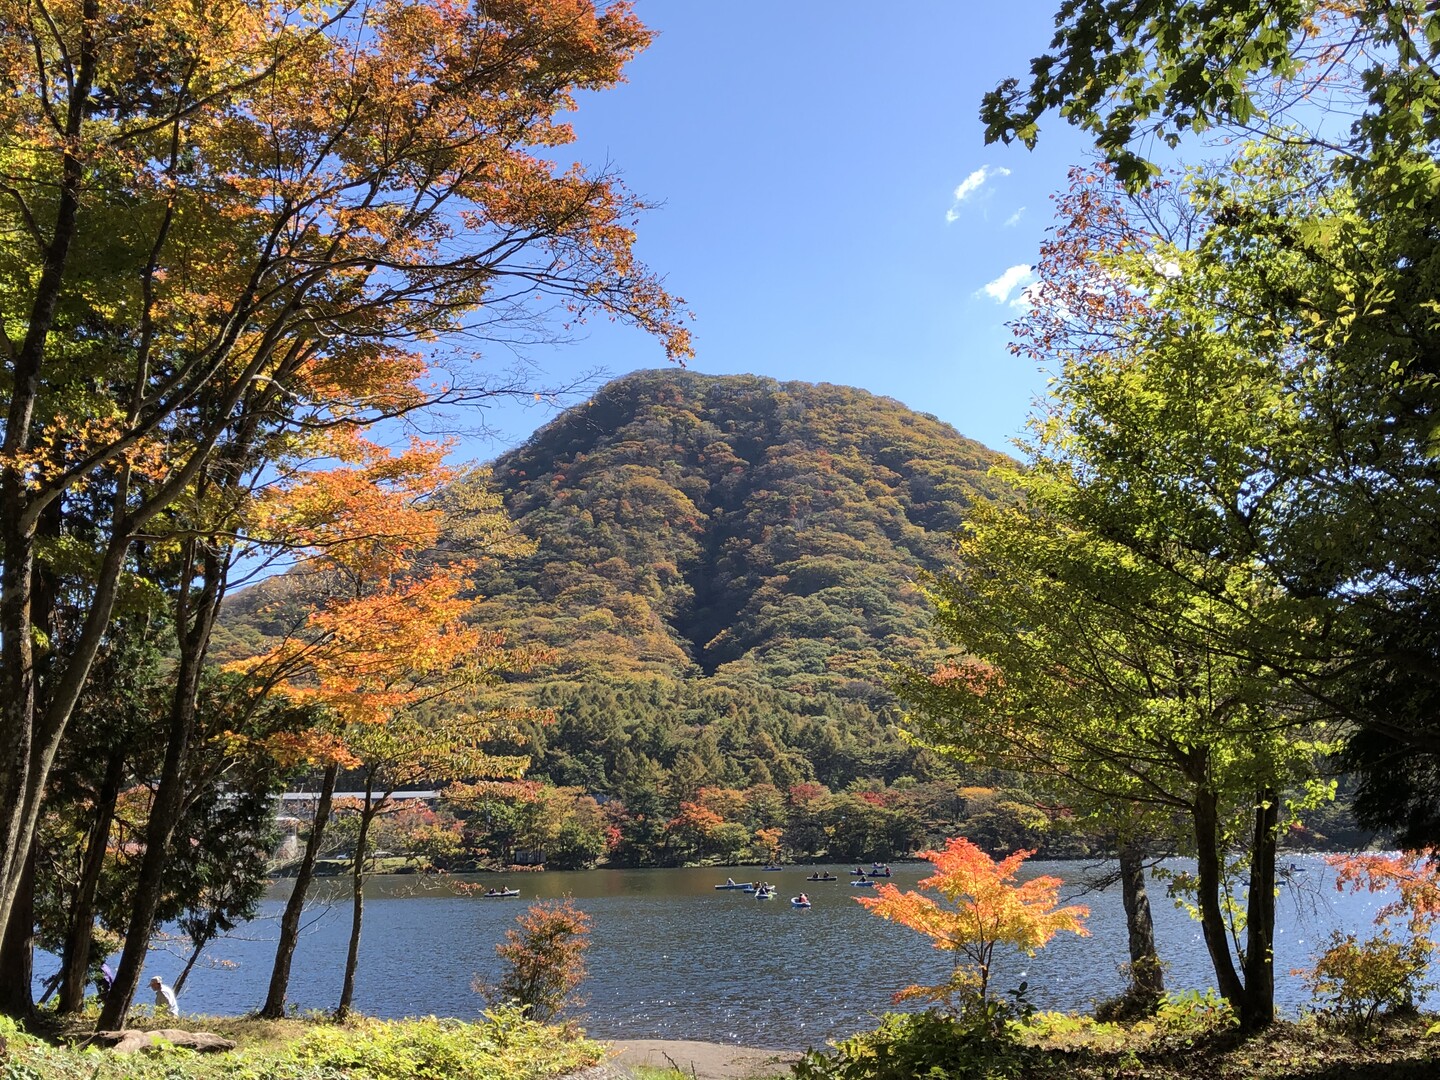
830,211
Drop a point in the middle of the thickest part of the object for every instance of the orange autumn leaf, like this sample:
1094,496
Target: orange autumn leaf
1414,876
980,908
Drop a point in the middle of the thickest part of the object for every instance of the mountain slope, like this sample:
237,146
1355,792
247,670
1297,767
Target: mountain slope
733,527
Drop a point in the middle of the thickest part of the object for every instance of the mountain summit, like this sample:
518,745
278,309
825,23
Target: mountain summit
733,527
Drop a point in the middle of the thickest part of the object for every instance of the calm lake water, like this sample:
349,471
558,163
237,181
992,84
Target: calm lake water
673,958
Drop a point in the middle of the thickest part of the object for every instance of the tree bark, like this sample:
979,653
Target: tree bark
19,789
274,1006
75,956
17,950
194,956
357,909
1208,858
168,807
1258,1007
1147,979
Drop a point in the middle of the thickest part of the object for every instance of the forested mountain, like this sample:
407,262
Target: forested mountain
729,563
725,568
734,528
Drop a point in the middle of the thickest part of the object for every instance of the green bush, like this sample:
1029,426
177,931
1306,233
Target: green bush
1356,981
923,1045
503,1046
1194,1012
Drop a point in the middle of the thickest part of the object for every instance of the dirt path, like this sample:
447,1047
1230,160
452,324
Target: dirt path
704,1060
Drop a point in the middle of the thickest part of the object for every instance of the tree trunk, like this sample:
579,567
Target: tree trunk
357,878
75,956
274,1006
19,787
208,937
1258,1007
17,689
1147,979
17,950
168,807
1208,858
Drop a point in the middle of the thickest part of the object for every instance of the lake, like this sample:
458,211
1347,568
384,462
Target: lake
673,958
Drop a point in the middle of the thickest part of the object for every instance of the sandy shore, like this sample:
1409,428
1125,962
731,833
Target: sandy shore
704,1060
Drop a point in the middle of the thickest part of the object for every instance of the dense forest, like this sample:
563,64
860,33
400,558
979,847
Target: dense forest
726,571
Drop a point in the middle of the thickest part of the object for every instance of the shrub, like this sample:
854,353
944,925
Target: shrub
544,960
1193,1013
1358,980
928,1044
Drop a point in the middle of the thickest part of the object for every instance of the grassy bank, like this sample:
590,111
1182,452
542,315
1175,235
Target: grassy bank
1183,1043
1186,1044
500,1046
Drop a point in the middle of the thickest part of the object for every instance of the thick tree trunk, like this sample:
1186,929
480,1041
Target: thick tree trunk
168,807
1208,858
75,956
274,1006
17,950
19,787
165,814
1147,979
357,909
17,689
1258,1006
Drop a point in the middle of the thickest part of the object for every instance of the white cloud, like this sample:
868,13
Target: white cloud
1014,219
970,185
1027,296
1166,268
1017,277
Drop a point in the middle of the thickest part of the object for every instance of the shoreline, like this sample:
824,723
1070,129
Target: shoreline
701,1060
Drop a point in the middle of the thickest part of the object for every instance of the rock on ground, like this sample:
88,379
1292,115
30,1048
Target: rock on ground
128,1042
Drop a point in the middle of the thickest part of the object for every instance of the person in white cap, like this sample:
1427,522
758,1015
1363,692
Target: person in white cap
164,996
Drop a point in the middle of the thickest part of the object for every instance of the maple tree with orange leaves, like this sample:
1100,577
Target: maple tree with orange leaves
1413,876
986,909
381,628
241,224
1358,979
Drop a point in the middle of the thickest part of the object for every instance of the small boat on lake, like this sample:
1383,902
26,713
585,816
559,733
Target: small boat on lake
765,893
767,869
800,901
866,884
731,883
818,877
499,894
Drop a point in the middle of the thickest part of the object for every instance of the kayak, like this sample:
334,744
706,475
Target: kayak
765,894
500,895
827,877
768,868
863,884
747,885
